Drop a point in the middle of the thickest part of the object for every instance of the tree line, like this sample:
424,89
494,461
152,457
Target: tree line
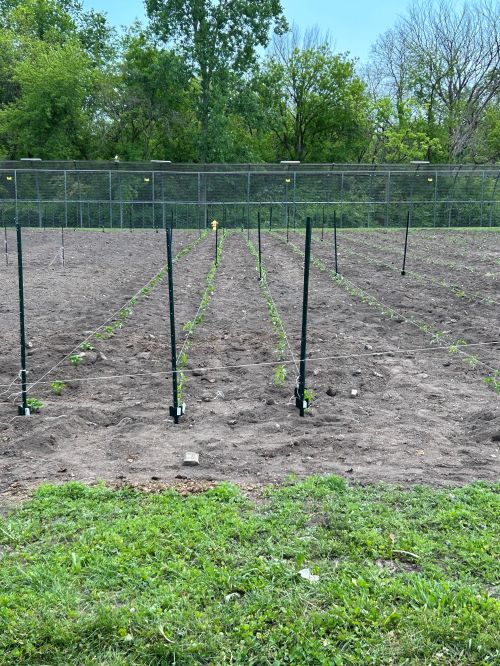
232,81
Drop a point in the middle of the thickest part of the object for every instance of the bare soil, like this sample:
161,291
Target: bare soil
421,416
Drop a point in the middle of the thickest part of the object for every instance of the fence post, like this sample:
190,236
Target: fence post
323,224
260,253
301,402
216,240
6,245
23,408
403,272
270,218
335,241
62,246
175,411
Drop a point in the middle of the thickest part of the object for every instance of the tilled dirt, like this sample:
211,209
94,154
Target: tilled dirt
421,416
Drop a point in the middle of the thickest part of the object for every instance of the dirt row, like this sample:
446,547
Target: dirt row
466,318
419,417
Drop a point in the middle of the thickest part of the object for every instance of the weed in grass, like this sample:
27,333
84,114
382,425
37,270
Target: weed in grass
96,576
57,386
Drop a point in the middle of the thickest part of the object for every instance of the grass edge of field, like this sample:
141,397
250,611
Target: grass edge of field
404,574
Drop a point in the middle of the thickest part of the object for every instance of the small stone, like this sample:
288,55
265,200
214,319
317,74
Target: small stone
349,471
447,363
145,356
368,347
206,398
191,459
356,372
354,393
198,373
378,374
102,357
495,437
331,391
340,438
232,422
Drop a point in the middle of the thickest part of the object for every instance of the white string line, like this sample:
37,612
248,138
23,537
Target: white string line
30,386
312,359
379,302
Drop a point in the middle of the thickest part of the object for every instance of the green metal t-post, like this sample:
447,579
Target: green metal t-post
23,409
403,272
260,246
173,349
301,389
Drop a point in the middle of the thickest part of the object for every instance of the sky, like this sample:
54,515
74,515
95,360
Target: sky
353,24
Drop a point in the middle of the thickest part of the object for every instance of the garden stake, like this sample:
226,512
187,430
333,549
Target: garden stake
335,240
62,244
260,253
23,408
216,240
323,224
403,272
301,402
175,411
6,246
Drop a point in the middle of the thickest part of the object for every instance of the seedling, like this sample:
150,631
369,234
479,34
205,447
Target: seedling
75,359
493,381
309,396
57,386
34,405
280,375
86,346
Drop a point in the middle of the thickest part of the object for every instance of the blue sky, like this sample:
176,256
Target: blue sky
353,24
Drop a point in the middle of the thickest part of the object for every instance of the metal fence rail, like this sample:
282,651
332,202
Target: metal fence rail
154,195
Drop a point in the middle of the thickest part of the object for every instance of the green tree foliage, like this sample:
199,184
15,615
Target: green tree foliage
196,85
218,38
317,106
49,119
148,102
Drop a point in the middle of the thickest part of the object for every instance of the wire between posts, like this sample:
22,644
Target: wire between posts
311,359
75,349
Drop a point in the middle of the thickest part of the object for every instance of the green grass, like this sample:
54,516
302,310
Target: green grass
97,576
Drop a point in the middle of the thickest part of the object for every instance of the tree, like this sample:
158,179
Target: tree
50,118
445,62
317,106
148,103
216,37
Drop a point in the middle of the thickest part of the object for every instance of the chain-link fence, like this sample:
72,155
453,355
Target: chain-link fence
157,194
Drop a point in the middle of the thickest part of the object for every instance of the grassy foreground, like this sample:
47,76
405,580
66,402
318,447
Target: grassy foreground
96,576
